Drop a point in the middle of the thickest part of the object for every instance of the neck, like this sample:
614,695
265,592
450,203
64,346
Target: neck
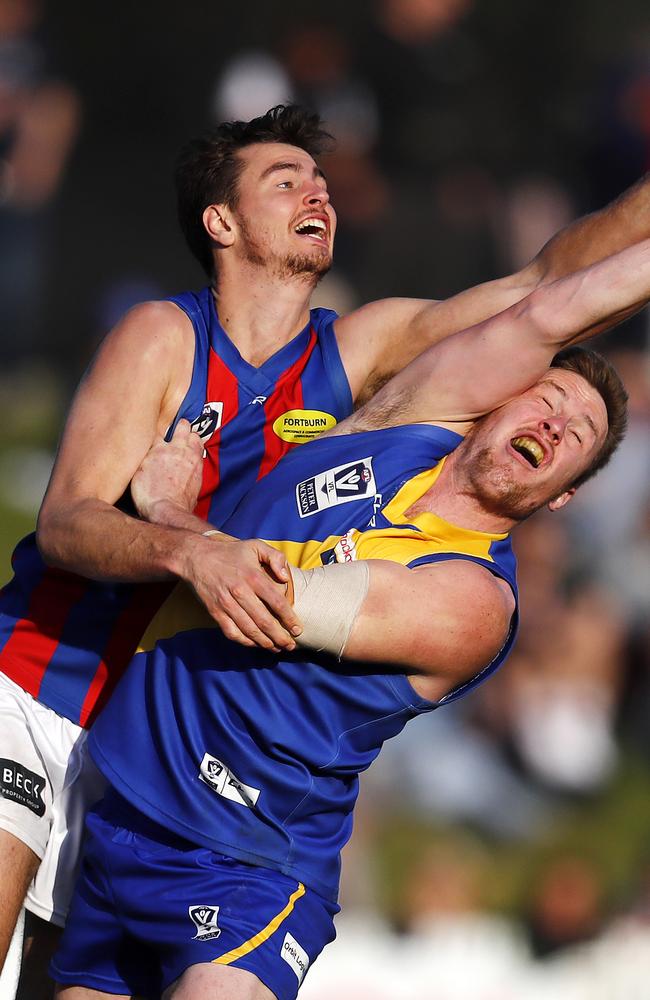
453,498
259,311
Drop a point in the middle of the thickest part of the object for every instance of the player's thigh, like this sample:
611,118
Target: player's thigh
217,982
83,993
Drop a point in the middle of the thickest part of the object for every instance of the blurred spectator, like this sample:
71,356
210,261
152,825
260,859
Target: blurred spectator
39,118
249,85
566,905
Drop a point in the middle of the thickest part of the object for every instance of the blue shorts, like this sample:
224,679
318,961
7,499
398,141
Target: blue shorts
149,904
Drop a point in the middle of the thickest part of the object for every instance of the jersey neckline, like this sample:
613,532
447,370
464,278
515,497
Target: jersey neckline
274,365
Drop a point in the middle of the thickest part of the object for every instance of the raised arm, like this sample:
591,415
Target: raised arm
382,337
479,369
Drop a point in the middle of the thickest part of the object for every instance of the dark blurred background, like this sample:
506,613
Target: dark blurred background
502,846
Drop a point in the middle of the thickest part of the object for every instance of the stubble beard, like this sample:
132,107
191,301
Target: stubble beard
494,488
312,267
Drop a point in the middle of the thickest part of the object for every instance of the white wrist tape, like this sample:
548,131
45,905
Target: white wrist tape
327,600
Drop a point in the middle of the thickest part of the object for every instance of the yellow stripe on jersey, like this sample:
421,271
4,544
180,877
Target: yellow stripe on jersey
182,611
264,934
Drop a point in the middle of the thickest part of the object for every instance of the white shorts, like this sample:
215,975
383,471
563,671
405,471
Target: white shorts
47,784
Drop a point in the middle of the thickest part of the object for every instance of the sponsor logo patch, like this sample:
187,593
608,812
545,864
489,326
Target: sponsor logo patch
295,956
221,780
21,785
205,921
343,484
209,421
298,426
345,549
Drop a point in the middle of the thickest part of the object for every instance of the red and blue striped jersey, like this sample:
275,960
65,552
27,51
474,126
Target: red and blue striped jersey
66,640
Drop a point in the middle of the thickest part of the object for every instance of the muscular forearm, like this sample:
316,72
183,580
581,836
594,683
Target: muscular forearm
98,541
241,583
576,307
621,224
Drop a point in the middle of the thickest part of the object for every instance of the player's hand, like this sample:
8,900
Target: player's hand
169,478
243,585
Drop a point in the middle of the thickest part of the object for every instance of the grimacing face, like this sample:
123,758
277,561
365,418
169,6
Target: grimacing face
283,219
528,452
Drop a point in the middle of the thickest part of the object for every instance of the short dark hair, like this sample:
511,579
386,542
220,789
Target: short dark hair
208,167
602,375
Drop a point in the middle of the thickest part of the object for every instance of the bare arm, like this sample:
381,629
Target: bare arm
440,623
478,369
127,399
382,337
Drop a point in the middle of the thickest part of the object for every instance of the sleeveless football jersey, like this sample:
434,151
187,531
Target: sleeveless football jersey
66,640
257,755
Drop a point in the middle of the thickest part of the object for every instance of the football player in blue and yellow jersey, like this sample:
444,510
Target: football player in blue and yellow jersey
212,864
256,372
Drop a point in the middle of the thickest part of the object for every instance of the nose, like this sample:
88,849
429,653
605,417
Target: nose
316,195
553,428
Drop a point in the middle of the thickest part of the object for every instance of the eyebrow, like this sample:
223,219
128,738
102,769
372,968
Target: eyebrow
562,391
290,165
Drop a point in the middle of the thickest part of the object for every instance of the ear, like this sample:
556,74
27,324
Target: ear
562,500
218,224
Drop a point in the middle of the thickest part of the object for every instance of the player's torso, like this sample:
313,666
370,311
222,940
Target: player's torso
259,756
66,640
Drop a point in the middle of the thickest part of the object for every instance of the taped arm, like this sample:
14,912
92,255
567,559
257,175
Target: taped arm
441,623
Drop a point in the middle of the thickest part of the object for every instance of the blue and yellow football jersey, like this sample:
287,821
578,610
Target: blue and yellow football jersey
257,755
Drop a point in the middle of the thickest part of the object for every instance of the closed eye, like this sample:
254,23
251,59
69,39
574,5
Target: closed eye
548,402
577,437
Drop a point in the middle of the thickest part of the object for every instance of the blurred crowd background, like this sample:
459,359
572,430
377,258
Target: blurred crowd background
502,846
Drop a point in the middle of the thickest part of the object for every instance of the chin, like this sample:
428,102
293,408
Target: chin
498,490
316,265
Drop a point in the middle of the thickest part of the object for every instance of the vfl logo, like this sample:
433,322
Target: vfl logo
209,421
22,786
353,481
205,921
221,780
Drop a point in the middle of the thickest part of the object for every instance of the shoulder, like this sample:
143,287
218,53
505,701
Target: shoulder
151,333
473,586
475,609
373,340
156,322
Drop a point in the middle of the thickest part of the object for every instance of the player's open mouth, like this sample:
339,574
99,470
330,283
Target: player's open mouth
316,228
531,450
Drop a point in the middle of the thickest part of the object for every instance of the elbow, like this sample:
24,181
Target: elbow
48,533
548,315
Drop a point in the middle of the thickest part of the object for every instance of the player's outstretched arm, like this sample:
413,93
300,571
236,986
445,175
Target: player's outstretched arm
379,339
440,623
127,399
479,369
